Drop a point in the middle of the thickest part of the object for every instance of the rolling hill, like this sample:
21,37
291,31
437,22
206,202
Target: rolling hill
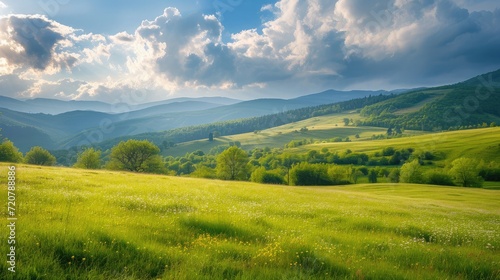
83,126
423,109
55,106
471,102
116,225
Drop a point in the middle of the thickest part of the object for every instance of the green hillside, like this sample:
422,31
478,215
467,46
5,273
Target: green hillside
321,128
475,143
471,102
75,224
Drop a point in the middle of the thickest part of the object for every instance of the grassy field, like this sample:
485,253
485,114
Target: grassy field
475,143
77,224
319,128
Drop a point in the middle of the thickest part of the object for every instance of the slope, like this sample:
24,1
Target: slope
113,225
474,143
471,102
76,127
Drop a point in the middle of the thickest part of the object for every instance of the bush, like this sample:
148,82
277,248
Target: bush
261,175
490,172
204,172
394,175
89,159
10,153
435,177
372,176
411,173
465,172
306,174
40,156
389,151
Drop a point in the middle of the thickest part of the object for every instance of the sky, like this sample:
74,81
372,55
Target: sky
137,52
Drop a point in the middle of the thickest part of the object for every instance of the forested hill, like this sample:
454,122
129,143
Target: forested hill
472,102
249,124
469,103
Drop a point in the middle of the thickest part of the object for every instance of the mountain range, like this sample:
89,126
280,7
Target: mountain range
56,124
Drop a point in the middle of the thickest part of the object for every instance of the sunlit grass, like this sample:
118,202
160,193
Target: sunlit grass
76,224
322,128
475,143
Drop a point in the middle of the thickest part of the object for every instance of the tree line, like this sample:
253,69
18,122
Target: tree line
275,166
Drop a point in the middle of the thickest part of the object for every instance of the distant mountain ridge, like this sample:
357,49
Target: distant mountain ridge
56,106
73,127
422,108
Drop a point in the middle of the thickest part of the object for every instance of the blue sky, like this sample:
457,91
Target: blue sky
104,50
111,17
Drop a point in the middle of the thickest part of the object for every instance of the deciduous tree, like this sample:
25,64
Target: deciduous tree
136,156
40,156
465,172
9,152
89,159
411,172
232,164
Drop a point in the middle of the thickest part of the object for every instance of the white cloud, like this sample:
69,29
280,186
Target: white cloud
306,46
2,5
35,43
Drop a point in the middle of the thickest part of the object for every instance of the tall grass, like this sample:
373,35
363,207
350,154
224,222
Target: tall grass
76,224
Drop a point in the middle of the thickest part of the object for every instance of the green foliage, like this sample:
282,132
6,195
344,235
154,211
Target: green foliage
411,173
204,172
389,151
233,127
306,174
89,159
232,164
435,177
39,156
490,172
9,152
136,156
372,176
261,175
465,172
394,175
346,121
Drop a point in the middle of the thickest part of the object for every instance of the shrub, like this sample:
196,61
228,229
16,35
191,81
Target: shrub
411,173
89,159
389,151
394,175
261,175
9,152
40,156
465,172
490,172
306,174
435,177
372,176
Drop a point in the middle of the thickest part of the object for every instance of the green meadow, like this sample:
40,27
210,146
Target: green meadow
80,224
482,144
320,129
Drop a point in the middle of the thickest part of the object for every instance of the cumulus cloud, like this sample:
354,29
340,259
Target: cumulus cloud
31,41
181,50
305,46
